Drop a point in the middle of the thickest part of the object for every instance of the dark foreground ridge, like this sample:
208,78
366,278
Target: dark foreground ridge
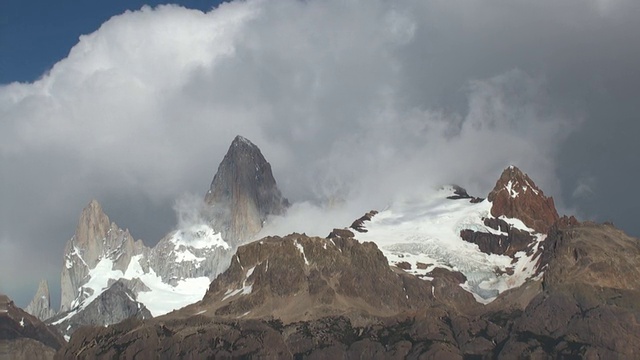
23,336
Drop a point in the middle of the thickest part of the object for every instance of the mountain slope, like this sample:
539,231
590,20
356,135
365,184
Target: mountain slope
300,278
23,336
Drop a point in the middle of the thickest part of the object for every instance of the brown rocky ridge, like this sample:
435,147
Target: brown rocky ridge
23,336
517,196
300,278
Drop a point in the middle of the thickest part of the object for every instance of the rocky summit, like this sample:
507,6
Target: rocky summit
516,196
243,193
96,240
40,306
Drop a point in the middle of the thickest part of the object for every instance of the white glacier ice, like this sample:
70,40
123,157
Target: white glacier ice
427,231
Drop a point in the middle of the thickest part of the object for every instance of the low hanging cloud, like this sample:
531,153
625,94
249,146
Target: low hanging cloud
352,101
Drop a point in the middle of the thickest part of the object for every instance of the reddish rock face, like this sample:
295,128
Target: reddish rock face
517,196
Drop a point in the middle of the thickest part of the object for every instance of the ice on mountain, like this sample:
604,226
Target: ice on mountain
301,249
200,236
427,231
511,190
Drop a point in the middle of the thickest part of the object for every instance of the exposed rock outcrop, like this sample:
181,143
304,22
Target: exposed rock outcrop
513,240
40,306
589,306
95,239
300,278
23,336
115,304
243,193
517,196
461,193
190,253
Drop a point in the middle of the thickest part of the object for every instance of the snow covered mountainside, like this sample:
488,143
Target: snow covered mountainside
154,281
451,230
422,235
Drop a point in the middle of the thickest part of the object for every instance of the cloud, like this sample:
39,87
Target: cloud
585,187
358,101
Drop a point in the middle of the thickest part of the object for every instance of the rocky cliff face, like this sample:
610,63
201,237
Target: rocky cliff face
515,201
40,306
516,196
96,238
23,336
243,193
113,305
300,278
193,252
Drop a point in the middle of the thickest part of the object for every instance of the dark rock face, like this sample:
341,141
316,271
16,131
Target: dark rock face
23,336
517,196
430,337
589,306
461,193
115,304
243,192
358,225
516,240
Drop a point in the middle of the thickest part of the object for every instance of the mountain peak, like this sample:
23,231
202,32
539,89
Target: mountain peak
96,238
242,141
93,213
515,195
40,306
243,192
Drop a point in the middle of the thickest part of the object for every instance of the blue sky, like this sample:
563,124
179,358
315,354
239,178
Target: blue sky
34,35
